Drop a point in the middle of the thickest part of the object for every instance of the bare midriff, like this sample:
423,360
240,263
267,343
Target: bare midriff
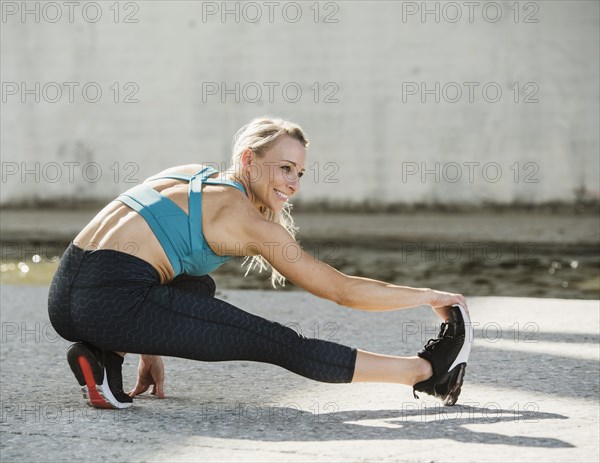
119,228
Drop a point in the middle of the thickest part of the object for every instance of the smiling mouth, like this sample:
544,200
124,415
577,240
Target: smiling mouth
282,195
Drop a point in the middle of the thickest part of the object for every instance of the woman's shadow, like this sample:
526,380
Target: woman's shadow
274,423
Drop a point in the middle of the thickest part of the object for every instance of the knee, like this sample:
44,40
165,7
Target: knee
211,286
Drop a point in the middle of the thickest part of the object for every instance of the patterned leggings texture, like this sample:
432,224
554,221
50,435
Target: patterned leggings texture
115,301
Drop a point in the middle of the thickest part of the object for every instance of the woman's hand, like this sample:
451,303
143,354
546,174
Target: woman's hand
441,302
151,372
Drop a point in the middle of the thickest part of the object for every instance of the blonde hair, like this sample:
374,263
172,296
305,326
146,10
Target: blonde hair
260,135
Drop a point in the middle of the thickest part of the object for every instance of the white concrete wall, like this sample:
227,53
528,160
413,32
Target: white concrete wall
373,144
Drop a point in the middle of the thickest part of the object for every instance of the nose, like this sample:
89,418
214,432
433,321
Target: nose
294,184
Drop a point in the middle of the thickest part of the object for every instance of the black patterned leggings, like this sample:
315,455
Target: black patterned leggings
115,301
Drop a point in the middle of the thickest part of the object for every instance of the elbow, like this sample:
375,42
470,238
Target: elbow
343,294
340,299
329,284
332,292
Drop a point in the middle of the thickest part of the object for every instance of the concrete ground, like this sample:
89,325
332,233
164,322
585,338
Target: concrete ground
531,392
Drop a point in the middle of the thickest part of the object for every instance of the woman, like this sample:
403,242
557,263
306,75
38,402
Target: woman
135,279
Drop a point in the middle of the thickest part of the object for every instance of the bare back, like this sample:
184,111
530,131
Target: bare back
117,227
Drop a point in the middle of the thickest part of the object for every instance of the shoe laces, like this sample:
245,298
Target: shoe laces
432,343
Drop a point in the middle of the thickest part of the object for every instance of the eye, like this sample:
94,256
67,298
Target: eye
300,174
286,168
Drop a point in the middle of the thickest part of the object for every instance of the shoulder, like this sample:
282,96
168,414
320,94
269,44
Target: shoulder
181,169
238,210
228,216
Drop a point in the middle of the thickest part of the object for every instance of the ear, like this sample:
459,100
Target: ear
247,157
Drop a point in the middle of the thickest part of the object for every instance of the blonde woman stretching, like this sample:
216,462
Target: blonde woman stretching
158,299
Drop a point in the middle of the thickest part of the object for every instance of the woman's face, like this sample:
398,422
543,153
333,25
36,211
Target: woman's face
275,177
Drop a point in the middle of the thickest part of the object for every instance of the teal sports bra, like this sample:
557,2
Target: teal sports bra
179,234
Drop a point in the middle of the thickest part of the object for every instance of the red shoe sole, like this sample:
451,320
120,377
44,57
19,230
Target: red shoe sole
94,397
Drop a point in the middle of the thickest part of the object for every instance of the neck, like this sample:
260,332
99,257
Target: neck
239,177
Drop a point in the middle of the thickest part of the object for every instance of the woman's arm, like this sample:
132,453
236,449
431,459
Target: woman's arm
278,247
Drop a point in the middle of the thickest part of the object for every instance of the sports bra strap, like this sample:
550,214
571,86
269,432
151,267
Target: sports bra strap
237,185
206,173
185,177
195,204
221,181
180,234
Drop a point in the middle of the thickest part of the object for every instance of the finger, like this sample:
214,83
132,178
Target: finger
443,313
140,388
464,304
159,389
134,391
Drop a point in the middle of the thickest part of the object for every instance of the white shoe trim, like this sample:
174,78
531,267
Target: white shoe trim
107,394
463,355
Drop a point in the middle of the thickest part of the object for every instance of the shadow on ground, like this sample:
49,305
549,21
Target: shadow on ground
290,423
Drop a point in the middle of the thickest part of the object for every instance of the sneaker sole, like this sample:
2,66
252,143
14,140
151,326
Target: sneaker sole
465,351
454,392
86,371
461,360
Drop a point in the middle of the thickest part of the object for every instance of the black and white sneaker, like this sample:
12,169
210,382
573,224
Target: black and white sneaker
448,355
99,374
